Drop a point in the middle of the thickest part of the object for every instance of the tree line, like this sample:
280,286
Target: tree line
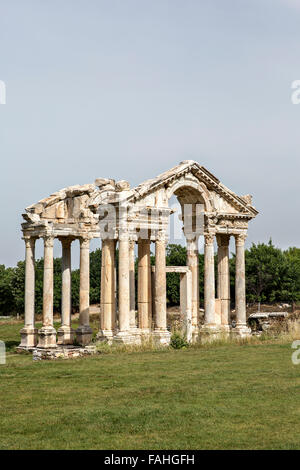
272,275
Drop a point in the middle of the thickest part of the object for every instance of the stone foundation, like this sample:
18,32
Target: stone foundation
62,352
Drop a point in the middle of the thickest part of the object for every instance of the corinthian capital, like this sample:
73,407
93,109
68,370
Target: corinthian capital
240,239
29,241
66,241
223,239
48,241
209,238
84,242
161,236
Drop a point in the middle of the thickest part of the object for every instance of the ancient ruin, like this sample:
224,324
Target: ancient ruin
123,217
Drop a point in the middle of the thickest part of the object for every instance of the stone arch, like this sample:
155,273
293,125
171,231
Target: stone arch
189,191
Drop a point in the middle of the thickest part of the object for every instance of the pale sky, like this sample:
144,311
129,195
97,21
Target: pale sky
127,89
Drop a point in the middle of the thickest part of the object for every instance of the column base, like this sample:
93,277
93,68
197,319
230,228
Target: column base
105,336
195,334
212,332
29,338
65,335
144,332
134,330
84,334
242,331
47,337
125,337
161,337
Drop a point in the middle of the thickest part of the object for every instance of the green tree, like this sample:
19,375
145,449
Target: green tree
7,301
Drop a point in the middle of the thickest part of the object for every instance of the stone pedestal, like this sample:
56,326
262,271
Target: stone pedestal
84,334
29,338
65,335
106,336
161,337
47,337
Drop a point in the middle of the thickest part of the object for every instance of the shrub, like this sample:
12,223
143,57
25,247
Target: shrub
178,341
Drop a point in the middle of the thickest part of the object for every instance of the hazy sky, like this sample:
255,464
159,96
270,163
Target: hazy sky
127,89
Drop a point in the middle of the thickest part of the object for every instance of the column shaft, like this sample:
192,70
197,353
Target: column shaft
84,301
29,281
240,286
132,322
160,285
48,282
160,334
124,294
66,283
65,332
84,331
47,334
29,332
209,281
224,277
108,301
193,264
144,284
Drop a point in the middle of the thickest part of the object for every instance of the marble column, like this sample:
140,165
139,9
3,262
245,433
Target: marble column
144,286
186,304
132,321
193,264
124,291
65,334
161,333
47,334
240,286
224,279
84,332
108,301
209,282
29,332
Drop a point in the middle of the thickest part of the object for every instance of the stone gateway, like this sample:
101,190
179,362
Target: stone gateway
123,217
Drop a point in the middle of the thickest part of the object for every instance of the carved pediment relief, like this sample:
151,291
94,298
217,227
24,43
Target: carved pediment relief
188,181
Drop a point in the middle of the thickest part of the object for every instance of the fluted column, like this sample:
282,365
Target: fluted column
160,334
240,286
29,332
144,285
132,322
209,281
193,264
224,278
47,334
65,333
84,331
108,301
124,292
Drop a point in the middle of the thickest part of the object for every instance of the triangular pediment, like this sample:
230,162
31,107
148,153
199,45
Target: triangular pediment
222,199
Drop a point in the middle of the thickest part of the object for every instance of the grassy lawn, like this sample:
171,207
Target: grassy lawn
223,397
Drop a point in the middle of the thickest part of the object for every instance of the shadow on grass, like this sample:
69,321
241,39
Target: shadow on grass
11,345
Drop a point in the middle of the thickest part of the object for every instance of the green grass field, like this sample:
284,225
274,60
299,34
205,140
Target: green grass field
214,397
